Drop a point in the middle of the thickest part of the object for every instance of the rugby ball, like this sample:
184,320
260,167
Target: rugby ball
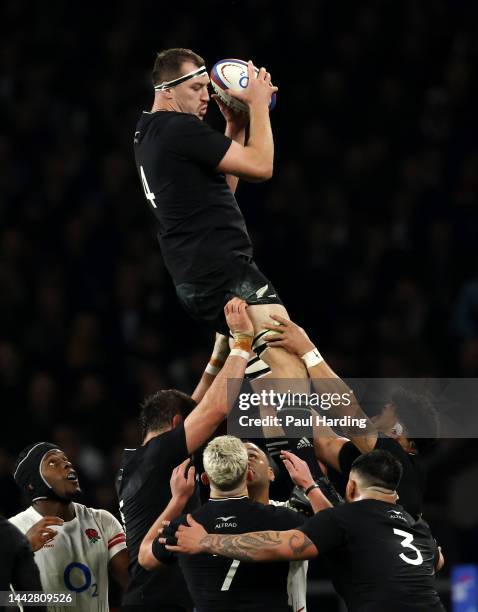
232,74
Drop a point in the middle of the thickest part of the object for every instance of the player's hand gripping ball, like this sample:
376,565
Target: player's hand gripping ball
232,74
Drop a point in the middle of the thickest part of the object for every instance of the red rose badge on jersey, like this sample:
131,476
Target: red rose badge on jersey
92,535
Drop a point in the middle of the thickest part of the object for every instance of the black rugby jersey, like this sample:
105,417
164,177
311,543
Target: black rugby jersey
219,584
143,491
411,485
18,567
201,227
380,557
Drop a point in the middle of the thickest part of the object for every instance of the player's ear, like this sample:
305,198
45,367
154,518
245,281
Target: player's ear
271,474
350,490
205,479
249,475
177,420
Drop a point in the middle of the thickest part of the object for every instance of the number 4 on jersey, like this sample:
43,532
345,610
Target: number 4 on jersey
149,194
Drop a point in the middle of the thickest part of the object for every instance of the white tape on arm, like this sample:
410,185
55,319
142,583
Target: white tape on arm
312,358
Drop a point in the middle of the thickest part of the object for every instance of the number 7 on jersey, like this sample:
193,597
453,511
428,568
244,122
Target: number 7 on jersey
230,575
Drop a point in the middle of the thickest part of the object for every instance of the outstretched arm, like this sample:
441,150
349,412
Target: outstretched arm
203,421
236,124
254,161
294,339
292,545
300,475
216,361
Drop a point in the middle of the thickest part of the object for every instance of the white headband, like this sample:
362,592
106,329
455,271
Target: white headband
198,72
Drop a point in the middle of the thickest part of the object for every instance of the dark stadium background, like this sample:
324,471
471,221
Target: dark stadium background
368,229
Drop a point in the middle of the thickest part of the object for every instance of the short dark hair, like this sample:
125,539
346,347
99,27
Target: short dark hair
418,416
167,65
379,468
158,410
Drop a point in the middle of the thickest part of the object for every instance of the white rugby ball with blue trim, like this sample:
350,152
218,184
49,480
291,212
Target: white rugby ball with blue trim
232,74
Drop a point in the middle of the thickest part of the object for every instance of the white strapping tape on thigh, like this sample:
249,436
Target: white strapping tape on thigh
256,368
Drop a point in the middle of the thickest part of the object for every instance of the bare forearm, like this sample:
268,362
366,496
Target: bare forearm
261,140
238,136
318,501
325,380
174,508
202,386
258,546
216,403
227,383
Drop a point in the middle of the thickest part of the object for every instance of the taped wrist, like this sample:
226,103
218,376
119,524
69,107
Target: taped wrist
214,366
242,341
312,358
160,552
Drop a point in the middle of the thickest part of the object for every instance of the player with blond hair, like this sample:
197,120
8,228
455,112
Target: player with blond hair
215,583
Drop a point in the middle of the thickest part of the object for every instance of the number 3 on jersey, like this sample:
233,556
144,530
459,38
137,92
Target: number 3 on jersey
407,543
147,192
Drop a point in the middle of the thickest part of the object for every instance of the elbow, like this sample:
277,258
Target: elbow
269,171
146,559
264,173
259,173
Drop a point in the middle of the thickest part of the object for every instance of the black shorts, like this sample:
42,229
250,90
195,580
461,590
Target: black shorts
205,301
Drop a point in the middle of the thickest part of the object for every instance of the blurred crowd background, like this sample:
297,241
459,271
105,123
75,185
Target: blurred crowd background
368,229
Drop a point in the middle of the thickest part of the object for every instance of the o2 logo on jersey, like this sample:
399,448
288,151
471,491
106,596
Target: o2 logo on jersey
81,578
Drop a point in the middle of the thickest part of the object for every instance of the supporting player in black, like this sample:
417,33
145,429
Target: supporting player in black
221,585
18,567
173,428
218,584
381,558
143,491
406,412
407,426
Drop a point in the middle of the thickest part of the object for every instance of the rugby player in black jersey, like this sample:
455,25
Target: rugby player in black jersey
380,557
173,428
259,477
189,174
389,430
18,570
217,584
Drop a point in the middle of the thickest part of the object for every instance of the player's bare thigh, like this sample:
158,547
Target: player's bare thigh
282,363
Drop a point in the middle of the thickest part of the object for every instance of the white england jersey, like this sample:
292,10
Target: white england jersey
297,577
76,560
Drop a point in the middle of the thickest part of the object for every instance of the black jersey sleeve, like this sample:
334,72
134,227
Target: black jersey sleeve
169,448
347,455
196,140
17,556
283,519
324,530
